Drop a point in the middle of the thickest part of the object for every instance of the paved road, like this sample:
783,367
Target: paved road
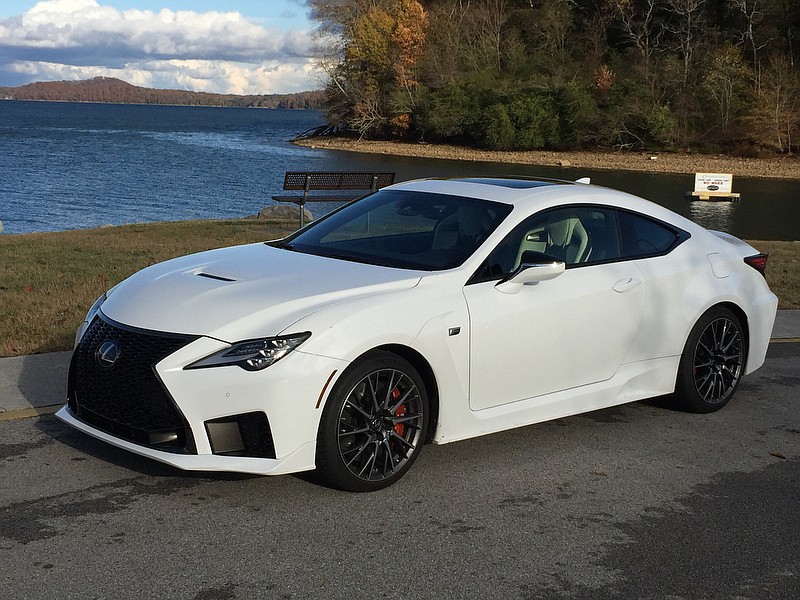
637,502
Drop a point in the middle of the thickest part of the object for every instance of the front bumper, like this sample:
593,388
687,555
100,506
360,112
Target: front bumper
301,459
209,404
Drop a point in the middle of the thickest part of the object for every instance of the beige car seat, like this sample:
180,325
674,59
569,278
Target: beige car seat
468,222
563,238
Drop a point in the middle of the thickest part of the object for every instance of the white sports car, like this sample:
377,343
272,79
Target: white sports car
430,311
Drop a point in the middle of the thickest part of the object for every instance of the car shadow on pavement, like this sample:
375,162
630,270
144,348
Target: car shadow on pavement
37,380
41,383
87,446
667,402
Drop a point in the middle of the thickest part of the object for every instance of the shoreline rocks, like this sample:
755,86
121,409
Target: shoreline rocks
779,167
284,212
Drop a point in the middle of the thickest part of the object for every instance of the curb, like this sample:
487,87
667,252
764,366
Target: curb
27,413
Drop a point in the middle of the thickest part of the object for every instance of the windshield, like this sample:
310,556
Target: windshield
410,230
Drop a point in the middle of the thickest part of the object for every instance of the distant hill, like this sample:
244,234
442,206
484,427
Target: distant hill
109,89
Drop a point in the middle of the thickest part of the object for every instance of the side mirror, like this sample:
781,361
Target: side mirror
534,267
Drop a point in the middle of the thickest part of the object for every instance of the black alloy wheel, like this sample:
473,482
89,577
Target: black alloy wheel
373,425
712,362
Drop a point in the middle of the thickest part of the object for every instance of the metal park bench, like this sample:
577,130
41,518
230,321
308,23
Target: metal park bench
307,181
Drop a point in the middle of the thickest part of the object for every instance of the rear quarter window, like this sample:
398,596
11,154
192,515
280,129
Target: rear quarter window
642,236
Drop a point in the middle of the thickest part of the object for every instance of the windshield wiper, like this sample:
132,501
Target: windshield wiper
281,244
341,256
324,252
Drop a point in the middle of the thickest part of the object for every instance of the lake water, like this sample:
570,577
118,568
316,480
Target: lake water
70,166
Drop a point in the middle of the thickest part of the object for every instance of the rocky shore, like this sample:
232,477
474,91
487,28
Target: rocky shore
785,167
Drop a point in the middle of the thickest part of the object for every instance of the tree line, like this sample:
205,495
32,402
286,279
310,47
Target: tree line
112,90
710,75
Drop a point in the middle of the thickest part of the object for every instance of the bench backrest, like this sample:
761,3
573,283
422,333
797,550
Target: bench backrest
318,180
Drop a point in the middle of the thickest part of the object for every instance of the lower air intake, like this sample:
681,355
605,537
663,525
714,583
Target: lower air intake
247,434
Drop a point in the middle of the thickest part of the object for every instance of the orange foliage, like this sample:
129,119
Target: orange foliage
401,124
603,79
409,36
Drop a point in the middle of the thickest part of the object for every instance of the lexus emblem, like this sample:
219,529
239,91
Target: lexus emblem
107,354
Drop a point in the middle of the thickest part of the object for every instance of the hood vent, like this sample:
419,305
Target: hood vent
217,277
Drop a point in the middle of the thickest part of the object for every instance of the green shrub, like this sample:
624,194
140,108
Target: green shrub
451,112
534,117
498,131
660,126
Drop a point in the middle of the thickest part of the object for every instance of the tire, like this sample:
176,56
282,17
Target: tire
712,363
373,425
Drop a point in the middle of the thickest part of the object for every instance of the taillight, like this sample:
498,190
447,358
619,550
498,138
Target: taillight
758,262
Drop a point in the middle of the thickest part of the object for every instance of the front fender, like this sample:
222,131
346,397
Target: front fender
430,318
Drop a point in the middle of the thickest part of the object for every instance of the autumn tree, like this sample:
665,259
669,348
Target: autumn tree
628,74
752,16
643,24
776,122
726,82
371,49
490,19
549,29
687,27
408,38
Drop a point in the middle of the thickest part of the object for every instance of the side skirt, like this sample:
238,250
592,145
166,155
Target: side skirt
632,382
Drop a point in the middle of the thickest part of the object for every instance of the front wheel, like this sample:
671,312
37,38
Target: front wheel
712,362
373,424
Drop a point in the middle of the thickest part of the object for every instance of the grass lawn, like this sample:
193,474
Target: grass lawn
49,280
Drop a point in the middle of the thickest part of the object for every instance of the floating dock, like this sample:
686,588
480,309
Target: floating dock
714,187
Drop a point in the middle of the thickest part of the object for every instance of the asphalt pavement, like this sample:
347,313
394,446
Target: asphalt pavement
636,502
34,384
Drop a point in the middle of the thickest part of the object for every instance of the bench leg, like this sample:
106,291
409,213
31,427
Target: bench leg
303,203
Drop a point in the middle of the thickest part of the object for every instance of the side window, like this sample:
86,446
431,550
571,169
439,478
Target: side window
644,237
576,235
602,230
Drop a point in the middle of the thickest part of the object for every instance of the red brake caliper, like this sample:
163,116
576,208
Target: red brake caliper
399,428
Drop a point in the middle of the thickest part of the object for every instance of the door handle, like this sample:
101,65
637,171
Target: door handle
626,285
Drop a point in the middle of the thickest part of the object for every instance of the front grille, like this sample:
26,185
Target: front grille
127,398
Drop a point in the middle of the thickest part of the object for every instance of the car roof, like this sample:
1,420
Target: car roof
535,194
507,190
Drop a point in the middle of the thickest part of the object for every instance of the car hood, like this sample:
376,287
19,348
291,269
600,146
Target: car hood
244,292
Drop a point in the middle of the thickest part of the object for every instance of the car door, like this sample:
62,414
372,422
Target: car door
571,331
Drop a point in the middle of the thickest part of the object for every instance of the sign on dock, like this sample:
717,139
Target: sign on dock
713,186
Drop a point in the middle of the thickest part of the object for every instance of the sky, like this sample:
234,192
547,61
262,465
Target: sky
222,46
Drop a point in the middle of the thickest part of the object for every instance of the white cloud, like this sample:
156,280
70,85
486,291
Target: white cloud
46,71
223,77
211,51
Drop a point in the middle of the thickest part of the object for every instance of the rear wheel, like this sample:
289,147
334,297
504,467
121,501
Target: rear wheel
373,425
712,362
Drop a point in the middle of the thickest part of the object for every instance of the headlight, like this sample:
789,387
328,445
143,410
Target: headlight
253,355
88,318
95,308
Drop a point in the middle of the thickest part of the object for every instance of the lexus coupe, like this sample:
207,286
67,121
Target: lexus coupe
430,311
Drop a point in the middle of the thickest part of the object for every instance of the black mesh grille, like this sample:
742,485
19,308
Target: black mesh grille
127,398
